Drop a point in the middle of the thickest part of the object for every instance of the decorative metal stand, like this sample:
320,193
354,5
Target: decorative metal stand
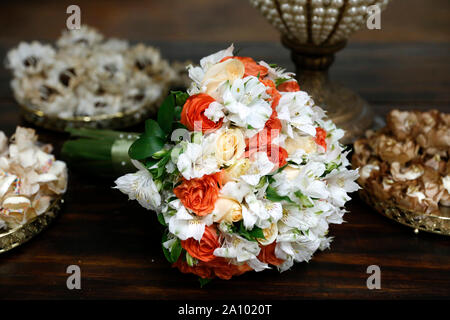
314,30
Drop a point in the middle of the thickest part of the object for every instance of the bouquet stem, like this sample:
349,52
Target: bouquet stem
102,152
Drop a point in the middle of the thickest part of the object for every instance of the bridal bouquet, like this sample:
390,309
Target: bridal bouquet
244,170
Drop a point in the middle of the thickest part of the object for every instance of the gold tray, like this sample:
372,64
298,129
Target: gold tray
13,238
117,120
435,223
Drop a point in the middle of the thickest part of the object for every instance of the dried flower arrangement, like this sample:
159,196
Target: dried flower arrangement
30,178
87,75
406,163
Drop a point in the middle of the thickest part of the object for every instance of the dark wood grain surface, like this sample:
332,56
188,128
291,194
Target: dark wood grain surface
117,243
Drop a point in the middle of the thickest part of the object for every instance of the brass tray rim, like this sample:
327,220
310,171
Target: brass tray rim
366,196
46,218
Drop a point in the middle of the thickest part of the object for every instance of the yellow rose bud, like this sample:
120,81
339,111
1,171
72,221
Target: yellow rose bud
230,146
291,173
270,234
306,143
227,209
230,69
239,168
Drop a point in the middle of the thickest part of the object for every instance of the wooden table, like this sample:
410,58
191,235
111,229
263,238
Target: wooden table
116,243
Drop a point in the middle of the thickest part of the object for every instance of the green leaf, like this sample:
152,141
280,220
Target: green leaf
251,235
204,281
161,167
180,97
173,254
176,250
166,114
145,147
161,219
279,81
177,111
273,196
304,200
165,251
148,163
152,129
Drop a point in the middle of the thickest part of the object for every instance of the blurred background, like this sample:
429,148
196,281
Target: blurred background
204,20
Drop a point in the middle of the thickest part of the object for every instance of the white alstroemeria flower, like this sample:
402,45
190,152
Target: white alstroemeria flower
334,134
305,179
196,160
215,111
301,219
244,100
325,243
141,187
214,58
261,213
260,166
294,111
242,250
341,182
236,190
277,72
298,246
184,224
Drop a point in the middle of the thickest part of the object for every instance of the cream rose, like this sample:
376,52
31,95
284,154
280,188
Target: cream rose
306,143
239,168
270,234
230,146
227,209
291,173
230,69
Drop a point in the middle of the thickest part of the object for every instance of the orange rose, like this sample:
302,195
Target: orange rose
199,270
194,111
251,67
223,269
321,135
200,194
267,255
228,270
277,155
271,130
275,96
289,86
203,250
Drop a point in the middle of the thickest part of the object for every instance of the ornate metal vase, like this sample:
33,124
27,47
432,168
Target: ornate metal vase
314,30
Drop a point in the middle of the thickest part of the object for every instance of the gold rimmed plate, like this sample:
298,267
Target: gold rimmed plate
438,223
12,238
117,120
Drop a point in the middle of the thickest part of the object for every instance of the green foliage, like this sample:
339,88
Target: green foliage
145,147
251,235
166,113
304,200
272,195
279,81
204,281
173,254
